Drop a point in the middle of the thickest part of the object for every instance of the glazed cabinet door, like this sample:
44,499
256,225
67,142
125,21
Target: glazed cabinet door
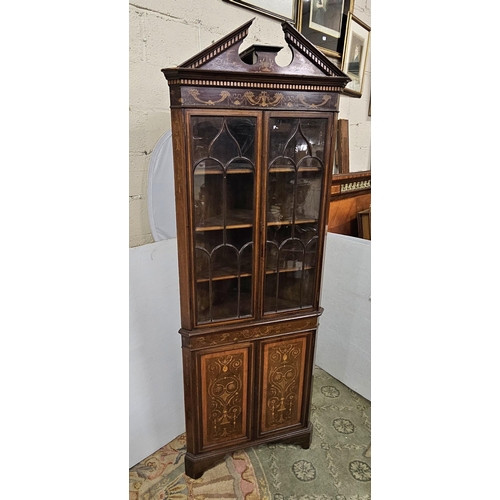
296,170
225,395
285,366
223,151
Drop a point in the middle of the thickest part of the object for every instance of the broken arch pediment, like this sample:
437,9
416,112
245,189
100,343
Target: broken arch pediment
224,55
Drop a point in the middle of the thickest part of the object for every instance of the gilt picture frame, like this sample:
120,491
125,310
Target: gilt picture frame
356,48
285,10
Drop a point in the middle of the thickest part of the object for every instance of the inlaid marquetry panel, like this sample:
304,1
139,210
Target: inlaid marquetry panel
309,98
283,378
224,391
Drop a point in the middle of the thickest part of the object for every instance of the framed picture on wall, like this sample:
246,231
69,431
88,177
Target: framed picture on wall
324,23
355,54
285,10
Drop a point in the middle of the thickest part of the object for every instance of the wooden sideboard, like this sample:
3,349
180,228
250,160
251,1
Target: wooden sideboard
349,194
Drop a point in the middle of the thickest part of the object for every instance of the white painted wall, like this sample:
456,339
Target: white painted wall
156,388
344,340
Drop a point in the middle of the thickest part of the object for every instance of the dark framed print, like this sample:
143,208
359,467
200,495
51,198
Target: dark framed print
355,53
285,10
324,23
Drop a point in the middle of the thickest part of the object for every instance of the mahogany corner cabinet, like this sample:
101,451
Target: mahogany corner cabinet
253,154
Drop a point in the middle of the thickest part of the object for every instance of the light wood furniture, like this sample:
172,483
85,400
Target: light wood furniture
349,195
253,156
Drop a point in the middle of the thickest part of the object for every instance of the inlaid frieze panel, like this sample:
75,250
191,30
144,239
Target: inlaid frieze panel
275,97
283,378
224,388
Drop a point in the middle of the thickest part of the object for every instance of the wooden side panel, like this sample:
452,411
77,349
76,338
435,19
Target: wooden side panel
364,224
182,214
224,395
282,383
189,378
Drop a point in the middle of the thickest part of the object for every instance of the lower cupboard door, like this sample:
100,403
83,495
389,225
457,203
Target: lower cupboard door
283,380
225,378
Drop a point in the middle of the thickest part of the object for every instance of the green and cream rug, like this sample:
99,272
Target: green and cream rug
337,466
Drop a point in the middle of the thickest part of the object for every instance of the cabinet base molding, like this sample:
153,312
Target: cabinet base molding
196,465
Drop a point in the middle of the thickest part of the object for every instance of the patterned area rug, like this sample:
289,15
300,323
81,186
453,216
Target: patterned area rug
161,477
337,466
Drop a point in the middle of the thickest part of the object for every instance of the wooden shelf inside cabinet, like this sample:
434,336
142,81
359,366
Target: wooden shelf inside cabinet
223,276
273,170
224,273
289,269
288,222
253,142
236,219
224,309
231,171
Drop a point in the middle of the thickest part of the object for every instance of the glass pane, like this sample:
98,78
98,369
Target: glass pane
203,309
223,153
202,264
204,132
243,130
208,179
309,278
295,182
315,131
308,195
240,193
246,254
281,132
280,195
224,261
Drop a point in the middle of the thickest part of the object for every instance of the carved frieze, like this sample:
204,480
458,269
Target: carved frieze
355,186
